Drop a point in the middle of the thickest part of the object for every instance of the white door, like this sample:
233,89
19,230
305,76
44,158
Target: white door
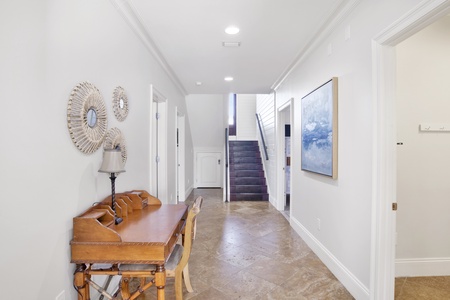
209,166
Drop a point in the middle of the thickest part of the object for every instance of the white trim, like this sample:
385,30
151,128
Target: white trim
188,192
347,278
280,172
336,17
412,22
132,17
384,151
422,267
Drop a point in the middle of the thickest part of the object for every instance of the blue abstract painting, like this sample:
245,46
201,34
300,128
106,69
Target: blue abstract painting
318,118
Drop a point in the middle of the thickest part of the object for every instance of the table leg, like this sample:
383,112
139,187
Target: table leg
80,281
160,281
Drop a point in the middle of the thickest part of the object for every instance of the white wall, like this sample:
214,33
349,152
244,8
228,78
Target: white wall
343,206
245,117
423,94
206,120
47,47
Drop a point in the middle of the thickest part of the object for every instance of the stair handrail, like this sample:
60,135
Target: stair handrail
258,118
227,171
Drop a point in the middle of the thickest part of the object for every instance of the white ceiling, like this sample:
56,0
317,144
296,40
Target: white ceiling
188,34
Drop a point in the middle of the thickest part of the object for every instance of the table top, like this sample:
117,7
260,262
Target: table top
152,224
145,236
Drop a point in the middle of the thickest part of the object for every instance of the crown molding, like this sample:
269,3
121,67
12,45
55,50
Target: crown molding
419,17
133,19
338,15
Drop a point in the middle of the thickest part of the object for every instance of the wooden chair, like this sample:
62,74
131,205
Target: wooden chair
176,266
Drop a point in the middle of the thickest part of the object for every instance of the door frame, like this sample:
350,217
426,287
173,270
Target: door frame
280,161
158,145
382,281
181,157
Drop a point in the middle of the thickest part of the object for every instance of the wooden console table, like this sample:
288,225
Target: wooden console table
147,235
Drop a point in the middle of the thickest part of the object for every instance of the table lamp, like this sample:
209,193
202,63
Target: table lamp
112,164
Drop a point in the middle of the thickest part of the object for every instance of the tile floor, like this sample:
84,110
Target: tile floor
429,288
247,250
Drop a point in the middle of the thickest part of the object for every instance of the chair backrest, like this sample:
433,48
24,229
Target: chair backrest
189,233
197,204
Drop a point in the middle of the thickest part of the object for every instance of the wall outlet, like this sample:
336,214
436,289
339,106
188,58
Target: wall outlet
318,224
61,296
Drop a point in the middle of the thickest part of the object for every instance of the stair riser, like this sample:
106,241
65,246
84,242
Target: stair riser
243,143
247,173
248,189
249,197
243,148
245,154
245,160
246,167
247,181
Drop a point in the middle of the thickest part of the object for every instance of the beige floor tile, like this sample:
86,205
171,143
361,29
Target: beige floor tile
247,250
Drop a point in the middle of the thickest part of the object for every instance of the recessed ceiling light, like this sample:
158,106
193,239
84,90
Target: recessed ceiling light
198,83
231,30
228,78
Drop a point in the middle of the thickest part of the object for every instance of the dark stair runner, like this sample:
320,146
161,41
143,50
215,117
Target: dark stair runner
247,180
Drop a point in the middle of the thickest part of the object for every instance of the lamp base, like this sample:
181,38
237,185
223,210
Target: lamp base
118,220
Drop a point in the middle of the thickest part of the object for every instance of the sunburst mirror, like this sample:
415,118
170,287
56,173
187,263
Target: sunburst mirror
115,140
120,103
86,117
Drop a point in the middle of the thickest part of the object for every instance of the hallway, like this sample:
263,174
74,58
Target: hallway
247,250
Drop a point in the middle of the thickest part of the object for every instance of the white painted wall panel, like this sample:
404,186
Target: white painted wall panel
245,117
47,48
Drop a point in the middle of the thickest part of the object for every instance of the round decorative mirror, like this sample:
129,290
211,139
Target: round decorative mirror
120,103
115,140
91,117
86,117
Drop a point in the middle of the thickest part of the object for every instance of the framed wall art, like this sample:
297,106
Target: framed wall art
319,120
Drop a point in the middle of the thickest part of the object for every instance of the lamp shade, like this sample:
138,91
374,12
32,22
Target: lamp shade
112,162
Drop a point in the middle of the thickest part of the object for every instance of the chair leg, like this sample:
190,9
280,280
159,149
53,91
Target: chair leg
178,286
125,289
187,279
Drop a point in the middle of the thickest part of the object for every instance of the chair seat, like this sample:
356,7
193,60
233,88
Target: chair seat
171,263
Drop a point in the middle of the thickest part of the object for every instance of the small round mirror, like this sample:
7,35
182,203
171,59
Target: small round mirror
121,103
91,117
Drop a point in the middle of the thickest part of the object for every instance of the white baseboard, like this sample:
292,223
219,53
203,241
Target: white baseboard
273,201
422,267
351,283
188,192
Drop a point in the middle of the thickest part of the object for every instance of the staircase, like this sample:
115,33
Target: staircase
247,180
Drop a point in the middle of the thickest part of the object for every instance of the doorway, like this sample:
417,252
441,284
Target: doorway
180,165
284,160
384,167
158,146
